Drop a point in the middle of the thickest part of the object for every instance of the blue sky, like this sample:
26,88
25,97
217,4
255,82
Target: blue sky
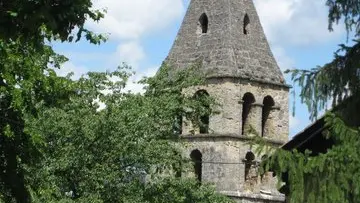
141,32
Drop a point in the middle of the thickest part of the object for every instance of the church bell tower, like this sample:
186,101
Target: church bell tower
243,76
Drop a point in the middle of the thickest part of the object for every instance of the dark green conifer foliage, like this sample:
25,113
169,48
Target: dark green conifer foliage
340,78
334,176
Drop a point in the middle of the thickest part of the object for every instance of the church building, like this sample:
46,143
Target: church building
227,38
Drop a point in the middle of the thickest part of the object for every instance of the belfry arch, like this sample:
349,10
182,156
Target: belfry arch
204,117
196,158
266,124
249,162
247,101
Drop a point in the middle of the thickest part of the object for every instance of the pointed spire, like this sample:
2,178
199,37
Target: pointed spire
227,37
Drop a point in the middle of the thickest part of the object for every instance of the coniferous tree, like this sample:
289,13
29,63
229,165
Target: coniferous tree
335,175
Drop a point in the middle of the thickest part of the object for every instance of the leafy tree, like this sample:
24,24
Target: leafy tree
32,21
126,152
27,82
182,191
56,146
333,176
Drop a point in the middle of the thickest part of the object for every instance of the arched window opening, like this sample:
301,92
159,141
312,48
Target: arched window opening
268,105
249,160
246,24
204,117
196,157
178,165
204,23
248,100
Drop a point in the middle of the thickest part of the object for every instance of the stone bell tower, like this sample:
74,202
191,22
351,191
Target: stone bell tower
243,76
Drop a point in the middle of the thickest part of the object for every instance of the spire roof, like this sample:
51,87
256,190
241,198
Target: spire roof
226,36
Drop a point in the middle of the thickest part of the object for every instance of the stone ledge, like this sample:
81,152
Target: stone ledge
257,104
239,79
229,136
243,195
276,108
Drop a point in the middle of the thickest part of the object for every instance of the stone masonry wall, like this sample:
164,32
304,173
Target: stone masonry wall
229,93
223,164
237,60
224,148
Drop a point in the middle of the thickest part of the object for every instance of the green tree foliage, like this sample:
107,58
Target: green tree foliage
56,146
127,152
325,178
27,78
334,176
181,191
340,78
32,21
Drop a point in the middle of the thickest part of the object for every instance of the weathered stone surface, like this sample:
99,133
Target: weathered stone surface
225,51
237,59
224,149
223,163
229,93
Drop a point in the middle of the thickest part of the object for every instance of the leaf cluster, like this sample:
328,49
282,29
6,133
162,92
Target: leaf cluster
348,10
334,175
334,82
33,20
125,152
330,177
28,81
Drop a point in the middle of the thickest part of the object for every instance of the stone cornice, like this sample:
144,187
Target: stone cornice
257,104
275,108
243,195
228,136
247,79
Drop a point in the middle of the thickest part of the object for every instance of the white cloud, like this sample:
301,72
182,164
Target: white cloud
131,19
283,60
127,22
294,123
83,57
129,52
69,67
133,84
296,22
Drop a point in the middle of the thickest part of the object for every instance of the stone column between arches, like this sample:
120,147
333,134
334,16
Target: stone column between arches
270,128
254,120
